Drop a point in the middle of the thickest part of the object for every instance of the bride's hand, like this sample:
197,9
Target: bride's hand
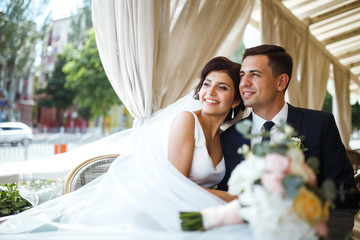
227,197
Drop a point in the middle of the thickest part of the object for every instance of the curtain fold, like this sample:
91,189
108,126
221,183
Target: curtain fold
341,103
316,76
311,66
152,51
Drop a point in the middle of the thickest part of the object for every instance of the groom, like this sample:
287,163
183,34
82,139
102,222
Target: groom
265,75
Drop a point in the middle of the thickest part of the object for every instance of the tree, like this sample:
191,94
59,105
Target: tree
81,22
86,75
237,57
18,37
327,105
56,94
355,116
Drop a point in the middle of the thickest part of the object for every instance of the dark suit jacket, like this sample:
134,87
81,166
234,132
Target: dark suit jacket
323,141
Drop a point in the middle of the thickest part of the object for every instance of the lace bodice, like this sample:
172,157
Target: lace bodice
203,172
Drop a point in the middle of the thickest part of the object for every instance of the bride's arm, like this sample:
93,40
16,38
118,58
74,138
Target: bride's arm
182,143
181,149
227,197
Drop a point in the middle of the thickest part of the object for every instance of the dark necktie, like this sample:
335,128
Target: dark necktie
267,125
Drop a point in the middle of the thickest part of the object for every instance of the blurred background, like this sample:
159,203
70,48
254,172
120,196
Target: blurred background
52,80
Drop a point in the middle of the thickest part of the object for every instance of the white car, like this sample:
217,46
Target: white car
14,133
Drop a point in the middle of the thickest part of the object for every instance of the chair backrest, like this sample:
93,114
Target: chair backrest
87,172
354,157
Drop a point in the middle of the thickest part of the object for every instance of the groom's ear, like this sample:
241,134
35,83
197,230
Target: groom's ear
283,80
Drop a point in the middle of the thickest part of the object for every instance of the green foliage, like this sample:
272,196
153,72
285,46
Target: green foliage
237,57
80,24
86,75
292,184
18,37
287,138
355,116
10,200
327,106
57,95
355,111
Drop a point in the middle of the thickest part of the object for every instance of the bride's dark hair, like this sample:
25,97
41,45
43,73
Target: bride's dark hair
232,69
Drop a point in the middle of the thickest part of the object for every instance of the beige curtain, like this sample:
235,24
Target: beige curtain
315,78
341,103
153,50
311,66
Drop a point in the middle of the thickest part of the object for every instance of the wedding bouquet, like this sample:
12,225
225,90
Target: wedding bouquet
277,192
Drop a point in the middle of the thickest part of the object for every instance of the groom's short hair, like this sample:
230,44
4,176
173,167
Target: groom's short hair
278,59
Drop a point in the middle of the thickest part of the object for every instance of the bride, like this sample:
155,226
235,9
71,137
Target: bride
174,165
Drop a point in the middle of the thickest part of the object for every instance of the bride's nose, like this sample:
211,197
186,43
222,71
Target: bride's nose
212,91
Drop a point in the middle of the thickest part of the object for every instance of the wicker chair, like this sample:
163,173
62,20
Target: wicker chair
87,171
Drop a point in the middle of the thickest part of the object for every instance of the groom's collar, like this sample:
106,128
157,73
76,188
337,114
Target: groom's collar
258,121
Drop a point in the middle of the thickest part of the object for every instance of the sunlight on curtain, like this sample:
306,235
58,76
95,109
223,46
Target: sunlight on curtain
341,103
152,51
311,66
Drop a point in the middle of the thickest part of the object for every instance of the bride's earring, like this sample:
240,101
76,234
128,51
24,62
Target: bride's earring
232,114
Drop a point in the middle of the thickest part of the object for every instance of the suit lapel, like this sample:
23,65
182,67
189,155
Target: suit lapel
294,118
246,141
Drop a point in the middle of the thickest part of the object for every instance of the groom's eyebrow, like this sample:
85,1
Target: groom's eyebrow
251,71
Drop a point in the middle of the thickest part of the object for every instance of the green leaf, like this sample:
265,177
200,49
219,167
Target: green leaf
313,163
261,149
244,127
11,201
280,149
292,183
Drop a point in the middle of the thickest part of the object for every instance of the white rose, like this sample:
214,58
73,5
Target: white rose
245,174
297,162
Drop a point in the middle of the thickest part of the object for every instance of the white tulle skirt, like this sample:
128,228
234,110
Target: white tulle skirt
140,197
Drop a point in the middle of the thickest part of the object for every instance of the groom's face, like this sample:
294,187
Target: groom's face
258,87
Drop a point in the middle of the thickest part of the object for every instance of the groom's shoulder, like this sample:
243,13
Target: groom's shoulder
230,132
311,113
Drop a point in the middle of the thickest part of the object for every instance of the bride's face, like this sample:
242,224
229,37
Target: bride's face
217,93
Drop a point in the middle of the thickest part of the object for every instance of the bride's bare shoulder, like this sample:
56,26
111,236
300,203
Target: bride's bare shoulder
184,120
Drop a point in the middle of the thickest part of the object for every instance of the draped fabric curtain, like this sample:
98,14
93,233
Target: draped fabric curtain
152,50
274,23
341,102
316,76
311,66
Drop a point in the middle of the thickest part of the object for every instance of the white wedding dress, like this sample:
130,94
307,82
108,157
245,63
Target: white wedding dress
140,197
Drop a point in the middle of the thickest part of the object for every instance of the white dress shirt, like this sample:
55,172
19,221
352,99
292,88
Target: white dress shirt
258,122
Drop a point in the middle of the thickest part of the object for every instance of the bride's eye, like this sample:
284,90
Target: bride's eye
206,83
223,87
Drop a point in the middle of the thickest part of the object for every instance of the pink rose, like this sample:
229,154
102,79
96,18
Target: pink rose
277,163
273,182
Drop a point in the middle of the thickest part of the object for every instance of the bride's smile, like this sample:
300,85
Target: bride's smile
217,93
